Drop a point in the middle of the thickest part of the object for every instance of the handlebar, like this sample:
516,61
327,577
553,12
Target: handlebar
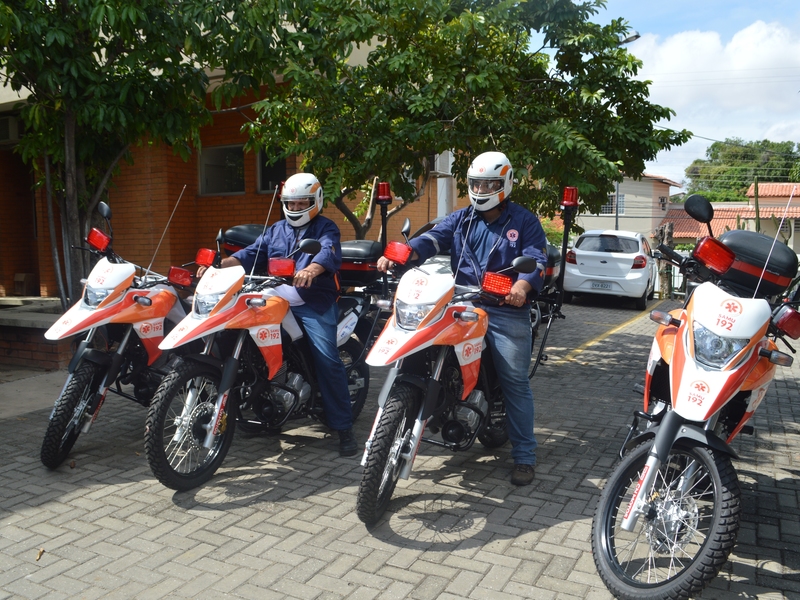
671,254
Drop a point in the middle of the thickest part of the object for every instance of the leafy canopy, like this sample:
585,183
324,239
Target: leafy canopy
730,167
377,87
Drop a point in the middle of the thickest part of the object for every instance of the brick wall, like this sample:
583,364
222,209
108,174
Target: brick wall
26,346
18,224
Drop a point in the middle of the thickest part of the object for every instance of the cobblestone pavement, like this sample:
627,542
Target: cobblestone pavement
277,520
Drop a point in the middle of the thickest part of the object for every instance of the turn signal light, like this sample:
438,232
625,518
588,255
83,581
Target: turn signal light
98,240
496,283
205,257
281,267
714,254
179,276
397,252
787,320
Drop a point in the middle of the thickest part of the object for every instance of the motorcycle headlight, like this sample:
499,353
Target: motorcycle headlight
94,296
409,316
715,351
205,303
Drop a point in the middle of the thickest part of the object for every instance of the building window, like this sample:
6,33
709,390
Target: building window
609,209
270,175
222,170
662,200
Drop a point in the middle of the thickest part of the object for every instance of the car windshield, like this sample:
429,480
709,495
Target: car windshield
607,243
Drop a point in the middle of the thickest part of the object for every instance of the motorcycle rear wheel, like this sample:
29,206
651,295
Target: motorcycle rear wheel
177,458
384,462
677,549
357,376
69,415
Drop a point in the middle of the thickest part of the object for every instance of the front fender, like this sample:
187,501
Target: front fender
669,433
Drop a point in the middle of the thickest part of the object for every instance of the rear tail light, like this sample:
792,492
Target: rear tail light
571,257
179,276
496,283
787,320
281,267
205,257
640,262
714,254
397,252
98,240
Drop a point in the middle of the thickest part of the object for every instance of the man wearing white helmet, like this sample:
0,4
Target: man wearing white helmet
487,236
316,289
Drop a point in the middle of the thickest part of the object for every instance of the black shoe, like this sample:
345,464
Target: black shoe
522,474
347,443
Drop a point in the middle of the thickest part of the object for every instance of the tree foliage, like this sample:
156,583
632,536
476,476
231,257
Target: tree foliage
462,75
730,167
105,74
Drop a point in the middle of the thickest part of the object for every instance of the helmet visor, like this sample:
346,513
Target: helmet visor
485,187
297,203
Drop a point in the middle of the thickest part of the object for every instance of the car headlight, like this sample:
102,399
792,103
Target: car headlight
409,316
205,303
715,351
94,296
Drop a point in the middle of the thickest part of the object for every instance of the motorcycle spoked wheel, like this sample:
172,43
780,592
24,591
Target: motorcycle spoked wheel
677,549
178,459
69,414
358,375
384,462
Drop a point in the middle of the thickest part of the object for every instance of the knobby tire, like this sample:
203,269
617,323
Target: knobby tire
65,425
181,462
677,549
380,477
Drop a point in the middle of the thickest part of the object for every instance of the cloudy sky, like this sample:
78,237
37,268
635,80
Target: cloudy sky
728,68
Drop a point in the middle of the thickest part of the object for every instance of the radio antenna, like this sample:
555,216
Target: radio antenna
278,188
165,231
774,241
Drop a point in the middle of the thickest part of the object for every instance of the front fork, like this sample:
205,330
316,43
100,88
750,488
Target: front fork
112,372
229,371
422,417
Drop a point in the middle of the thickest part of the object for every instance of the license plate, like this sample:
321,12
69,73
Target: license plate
601,285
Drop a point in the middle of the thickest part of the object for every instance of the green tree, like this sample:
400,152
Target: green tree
462,75
105,74
730,167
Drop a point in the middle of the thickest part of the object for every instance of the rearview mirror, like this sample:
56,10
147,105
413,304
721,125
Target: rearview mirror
310,246
524,264
699,208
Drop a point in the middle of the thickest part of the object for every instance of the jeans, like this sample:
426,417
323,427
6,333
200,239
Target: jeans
509,339
331,376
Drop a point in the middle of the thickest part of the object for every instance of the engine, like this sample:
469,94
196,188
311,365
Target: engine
465,418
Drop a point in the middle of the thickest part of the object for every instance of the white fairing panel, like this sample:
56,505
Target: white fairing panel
426,284
726,315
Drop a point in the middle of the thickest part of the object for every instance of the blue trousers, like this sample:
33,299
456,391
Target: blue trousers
331,376
509,340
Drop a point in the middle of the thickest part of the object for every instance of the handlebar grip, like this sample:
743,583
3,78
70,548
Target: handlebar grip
670,253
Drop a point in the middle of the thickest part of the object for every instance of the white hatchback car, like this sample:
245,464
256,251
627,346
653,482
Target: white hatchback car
611,262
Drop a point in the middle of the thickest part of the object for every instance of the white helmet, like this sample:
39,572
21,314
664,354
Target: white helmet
301,186
489,179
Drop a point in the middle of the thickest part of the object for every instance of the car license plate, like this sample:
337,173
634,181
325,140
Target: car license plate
601,285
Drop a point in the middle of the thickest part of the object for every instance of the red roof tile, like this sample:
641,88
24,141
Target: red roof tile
724,218
774,190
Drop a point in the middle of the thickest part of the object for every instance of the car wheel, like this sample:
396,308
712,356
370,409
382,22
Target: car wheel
641,302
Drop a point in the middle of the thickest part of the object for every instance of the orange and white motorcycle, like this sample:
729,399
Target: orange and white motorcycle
125,317
255,371
669,514
440,378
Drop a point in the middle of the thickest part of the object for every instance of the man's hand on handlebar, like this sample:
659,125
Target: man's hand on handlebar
518,294
230,261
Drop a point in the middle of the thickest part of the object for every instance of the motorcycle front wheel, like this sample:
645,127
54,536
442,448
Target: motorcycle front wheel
177,422
685,535
384,459
69,414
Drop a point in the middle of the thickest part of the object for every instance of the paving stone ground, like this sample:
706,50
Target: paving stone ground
278,521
